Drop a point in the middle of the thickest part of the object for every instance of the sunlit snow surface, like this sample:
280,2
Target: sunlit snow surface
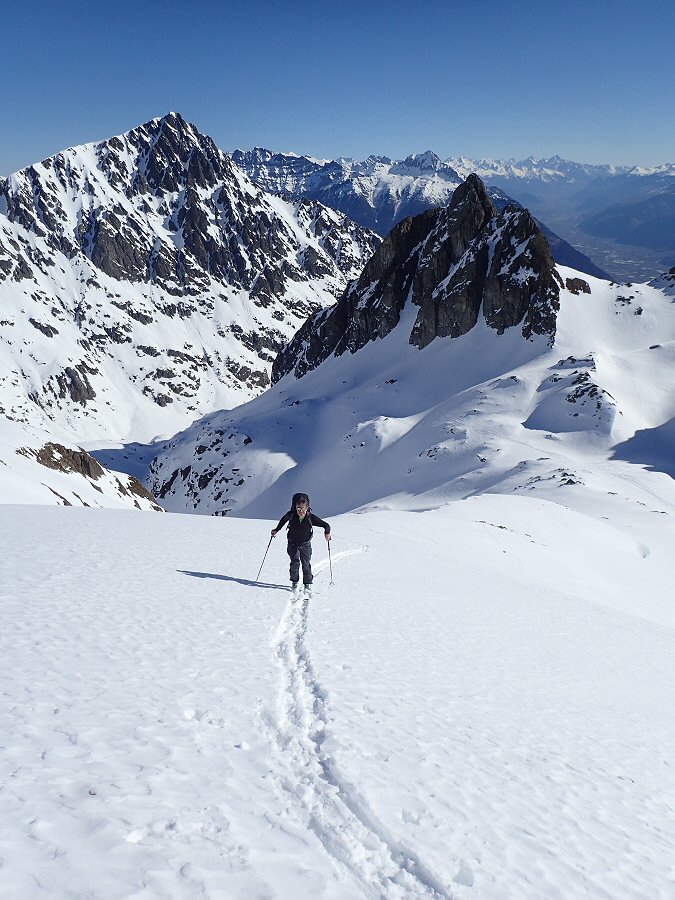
480,706
395,426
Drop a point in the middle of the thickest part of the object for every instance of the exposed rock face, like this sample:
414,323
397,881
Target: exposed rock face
64,459
665,282
163,205
453,263
70,461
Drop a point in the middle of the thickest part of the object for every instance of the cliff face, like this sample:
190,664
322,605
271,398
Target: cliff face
454,263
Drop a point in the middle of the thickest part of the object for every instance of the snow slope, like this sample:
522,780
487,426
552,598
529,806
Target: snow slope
393,425
479,707
36,469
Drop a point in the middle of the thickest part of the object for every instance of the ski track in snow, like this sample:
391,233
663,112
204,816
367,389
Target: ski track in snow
326,804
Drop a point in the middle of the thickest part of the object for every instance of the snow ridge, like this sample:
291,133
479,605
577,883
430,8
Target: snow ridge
327,805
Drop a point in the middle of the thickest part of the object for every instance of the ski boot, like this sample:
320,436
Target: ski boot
308,591
295,589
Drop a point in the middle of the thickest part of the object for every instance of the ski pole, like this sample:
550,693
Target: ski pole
330,563
265,556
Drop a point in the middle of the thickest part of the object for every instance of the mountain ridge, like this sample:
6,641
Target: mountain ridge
148,271
453,263
379,193
395,426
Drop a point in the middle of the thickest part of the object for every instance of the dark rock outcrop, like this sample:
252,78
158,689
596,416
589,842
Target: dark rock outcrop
63,459
453,263
78,462
577,286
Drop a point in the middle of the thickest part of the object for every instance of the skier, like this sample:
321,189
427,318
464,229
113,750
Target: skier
301,521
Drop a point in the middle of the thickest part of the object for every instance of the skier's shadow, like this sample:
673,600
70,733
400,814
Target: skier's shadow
245,581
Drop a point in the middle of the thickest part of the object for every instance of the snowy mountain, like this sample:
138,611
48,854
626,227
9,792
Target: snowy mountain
376,193
554,169
145,280
401,404
454,263
477,702
379,193
483,412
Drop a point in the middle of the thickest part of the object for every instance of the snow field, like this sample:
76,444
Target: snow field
470,711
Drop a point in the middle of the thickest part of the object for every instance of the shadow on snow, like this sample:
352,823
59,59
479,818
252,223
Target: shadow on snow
651,447
245,581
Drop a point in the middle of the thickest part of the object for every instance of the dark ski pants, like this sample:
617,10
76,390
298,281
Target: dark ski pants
301,553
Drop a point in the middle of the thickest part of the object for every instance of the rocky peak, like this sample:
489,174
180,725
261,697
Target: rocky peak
453,263
160,204
425,164
154,245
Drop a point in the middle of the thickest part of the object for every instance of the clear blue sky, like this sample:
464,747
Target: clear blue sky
591,81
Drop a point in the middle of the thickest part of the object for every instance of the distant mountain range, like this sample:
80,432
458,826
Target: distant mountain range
379,193
622,217
554,170
609,221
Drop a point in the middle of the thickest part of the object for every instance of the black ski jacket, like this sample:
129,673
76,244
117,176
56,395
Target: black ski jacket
301,532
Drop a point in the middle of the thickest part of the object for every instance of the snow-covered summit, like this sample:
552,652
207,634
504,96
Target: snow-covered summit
424,164
377,192
145,280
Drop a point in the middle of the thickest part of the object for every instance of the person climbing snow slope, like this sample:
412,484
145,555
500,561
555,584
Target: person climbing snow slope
301,522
